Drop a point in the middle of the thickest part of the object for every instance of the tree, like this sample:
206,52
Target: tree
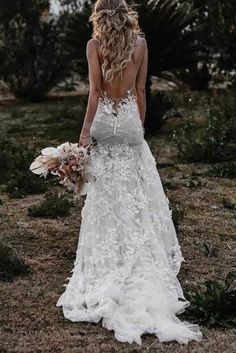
33,58
171,33
219,36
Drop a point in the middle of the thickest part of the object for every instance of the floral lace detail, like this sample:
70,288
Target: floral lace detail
120,123
128,253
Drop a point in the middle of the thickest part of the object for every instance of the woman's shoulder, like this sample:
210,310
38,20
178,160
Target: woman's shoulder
92,43
92,46
141,41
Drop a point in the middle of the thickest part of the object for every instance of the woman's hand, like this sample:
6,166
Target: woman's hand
84,141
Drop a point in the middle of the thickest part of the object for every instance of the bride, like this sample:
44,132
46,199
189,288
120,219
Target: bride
128,255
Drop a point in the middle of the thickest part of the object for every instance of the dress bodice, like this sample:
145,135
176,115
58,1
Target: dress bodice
118,121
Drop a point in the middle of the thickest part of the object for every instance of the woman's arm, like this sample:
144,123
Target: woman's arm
141,84
94,91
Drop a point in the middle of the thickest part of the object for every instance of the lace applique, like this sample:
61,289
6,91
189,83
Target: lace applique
123,122
128,254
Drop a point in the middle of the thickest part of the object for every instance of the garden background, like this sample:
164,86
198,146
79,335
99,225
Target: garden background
190,127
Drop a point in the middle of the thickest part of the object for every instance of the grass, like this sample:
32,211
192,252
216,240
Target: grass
51,122
177,215
30,322
25,184
11,264
212,139
53,206
223,170
229,203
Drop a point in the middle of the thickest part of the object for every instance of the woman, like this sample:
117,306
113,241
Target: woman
128,255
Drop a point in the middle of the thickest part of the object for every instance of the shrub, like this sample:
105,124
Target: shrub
172,37
11,264
33,58
15,160
210,250
177,215
53,206
14,157
189,142
229,203
25,183
158,106
215,304
223,170
170,184
213,142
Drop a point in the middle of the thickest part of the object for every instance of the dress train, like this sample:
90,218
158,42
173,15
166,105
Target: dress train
128,254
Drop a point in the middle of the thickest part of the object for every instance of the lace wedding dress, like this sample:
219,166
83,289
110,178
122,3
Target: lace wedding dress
128,254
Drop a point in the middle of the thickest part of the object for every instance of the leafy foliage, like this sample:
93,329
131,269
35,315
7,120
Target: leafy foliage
15,160
217,42
177,215
229,203
53,206
219,30
170,184
11,264
171,32
25,184
213,142
13,157
223,170
214,305
171,35
78,30
210,250
33,59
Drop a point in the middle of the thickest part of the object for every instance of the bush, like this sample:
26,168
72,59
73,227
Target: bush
33,58
214,305
210,250
53,206
223,170
25,183
11,264
177,215
229,203
157,107
172,36
15,160
170,184
14,157
212,142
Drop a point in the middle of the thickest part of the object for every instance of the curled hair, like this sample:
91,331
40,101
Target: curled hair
115,28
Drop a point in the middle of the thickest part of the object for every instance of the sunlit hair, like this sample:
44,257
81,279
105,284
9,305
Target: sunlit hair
115,28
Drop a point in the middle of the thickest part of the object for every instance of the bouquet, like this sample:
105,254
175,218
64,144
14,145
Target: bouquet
69,162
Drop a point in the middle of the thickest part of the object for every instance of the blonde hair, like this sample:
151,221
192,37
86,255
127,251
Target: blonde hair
115,28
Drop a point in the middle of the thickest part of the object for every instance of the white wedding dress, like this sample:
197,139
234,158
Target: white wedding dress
128,254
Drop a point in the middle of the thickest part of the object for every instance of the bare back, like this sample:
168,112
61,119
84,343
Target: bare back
119,87
133,80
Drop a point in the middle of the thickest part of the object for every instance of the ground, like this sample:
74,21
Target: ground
30,321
